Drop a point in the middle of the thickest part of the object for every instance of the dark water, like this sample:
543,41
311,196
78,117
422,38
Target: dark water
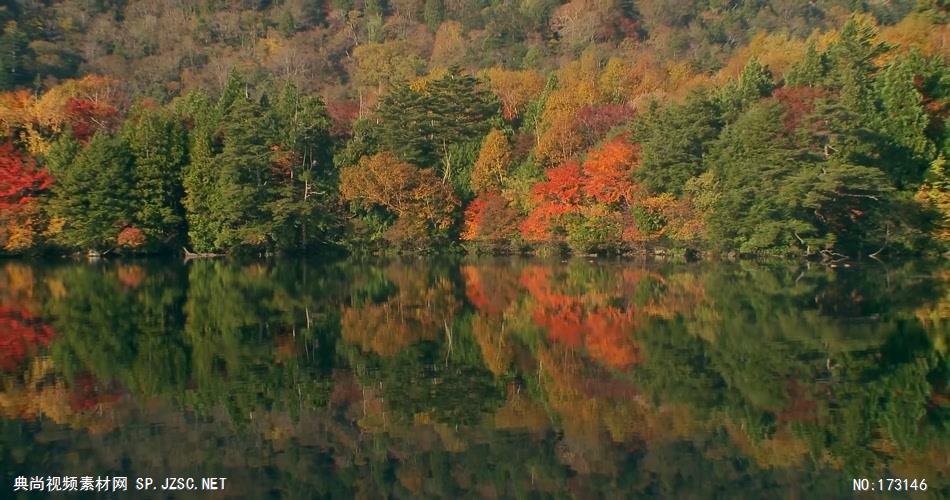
486,379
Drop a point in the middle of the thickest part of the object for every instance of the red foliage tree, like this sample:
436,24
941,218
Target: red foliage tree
604,178
342,115
608,172
490,218
595,121
131,237
799,102
19,179
86,117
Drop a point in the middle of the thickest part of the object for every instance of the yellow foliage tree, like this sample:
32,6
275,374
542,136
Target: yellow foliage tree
917,31
449,46
515,89
935,193
494,160
616,80
778,51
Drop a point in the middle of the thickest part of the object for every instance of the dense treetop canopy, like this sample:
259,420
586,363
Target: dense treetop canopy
814,129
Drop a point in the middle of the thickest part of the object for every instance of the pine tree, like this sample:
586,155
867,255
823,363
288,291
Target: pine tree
199,175
903,121
95,195
158,142
851,60
755,82
811,71
13,52
243,176
421,125
434,14
675,139
750,160
302,210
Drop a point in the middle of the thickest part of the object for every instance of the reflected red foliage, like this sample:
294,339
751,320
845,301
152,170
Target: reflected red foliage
490,290
88,394
605,331
21,335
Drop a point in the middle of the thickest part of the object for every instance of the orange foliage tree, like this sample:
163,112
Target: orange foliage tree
490,218
570,188
424,207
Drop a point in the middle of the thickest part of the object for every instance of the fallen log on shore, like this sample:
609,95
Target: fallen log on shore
192,255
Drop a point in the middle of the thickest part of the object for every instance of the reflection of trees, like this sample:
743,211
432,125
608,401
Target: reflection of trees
22,332
794,371
593,379
420,305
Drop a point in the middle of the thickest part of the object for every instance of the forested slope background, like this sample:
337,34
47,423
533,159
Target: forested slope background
750,127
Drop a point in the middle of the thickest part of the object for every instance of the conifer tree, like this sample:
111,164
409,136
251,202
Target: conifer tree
810,71
904,122
243,176
851,60
158,141
95,195
199,175
302,207
675,139
421,125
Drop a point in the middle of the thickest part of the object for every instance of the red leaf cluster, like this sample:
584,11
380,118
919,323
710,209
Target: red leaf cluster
604,178
131,237
21,335
490,218
19,179
86,117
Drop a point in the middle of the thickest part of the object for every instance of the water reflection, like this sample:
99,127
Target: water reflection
477,378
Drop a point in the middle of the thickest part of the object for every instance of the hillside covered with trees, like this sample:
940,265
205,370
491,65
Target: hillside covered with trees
812,129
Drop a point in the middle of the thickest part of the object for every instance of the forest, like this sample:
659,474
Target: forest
717,127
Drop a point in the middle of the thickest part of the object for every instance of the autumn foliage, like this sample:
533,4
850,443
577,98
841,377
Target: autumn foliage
423,206
572,188
20,182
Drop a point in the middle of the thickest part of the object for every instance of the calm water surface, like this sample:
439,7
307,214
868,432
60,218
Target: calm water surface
483,378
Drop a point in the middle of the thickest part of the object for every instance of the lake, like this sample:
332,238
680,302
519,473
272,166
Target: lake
493,378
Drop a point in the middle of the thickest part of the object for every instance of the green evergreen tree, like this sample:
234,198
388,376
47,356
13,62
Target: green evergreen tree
755,82
95,195
62,153
158,141
199,175
851,59
13,56
751,161
242,177
302,211
675,139
434,13
904,121
810,71
422,126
